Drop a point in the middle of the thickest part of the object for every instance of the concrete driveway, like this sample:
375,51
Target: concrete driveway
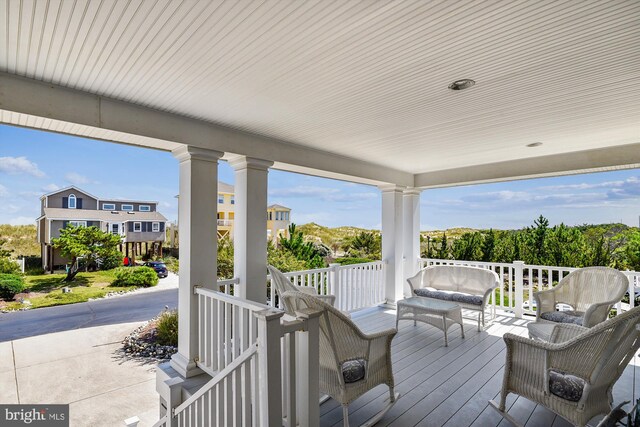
83,368
138,306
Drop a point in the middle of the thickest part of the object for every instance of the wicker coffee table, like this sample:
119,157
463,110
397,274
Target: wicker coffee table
438,313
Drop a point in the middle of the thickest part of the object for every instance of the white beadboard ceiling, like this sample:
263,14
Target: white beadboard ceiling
363,79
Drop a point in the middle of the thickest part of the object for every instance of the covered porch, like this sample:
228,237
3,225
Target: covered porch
351,91
451,386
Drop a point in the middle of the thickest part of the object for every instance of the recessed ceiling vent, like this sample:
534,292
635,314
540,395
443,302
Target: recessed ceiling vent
462,84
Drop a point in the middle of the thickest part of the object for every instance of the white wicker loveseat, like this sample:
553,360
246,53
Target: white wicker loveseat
469,287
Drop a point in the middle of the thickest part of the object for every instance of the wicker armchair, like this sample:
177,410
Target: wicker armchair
282,284
591,292
351,362
572,375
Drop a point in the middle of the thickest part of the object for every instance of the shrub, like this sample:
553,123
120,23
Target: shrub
34,271
135,276
172,264
9,266
167,328
10,285
110,261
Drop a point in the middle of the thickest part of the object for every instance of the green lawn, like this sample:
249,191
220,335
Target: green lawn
46,289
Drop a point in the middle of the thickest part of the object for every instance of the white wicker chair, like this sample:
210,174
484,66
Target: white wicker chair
591,292
351,362
574,373
282,284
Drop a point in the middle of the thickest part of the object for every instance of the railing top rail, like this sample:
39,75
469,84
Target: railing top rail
503,264
484,263
250,305
161,422
234,281
315,270
362,264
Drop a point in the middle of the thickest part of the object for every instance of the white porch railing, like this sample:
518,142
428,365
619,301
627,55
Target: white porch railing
355,286
258,360
521,281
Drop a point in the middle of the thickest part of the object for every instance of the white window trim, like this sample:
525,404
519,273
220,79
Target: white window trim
124,208
137,225
147,208
155,227
105,208
78,223
233,200
75,201
221,198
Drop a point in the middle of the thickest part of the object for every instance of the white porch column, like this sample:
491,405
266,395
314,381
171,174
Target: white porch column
392,245
250,227
198,245
411,211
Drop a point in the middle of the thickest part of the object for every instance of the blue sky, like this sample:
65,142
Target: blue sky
33,163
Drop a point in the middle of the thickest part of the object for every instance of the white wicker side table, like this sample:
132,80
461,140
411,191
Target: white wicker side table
438,313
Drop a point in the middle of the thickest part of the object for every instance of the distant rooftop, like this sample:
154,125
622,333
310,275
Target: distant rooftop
275,206
102,199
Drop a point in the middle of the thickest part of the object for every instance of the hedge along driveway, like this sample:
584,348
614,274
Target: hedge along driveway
46,290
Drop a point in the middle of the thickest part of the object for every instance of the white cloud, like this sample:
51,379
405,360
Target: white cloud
18,165
77,179
10,208
50,187
30,194
583,186
3,191
22,220
321,193
303,191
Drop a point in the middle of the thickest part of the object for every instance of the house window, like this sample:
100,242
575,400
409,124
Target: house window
144,208
270,216
137,227
155,227
127,207
220,198
286,216
78,223
233,200
72,201
109,206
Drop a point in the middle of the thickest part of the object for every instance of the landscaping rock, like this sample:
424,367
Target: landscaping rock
141,343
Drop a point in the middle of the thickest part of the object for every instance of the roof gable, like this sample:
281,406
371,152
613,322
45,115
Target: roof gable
71,187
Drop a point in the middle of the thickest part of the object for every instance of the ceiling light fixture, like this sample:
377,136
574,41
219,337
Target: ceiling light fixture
534,144
462,84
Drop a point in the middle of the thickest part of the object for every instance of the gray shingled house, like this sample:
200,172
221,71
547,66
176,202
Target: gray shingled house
139,223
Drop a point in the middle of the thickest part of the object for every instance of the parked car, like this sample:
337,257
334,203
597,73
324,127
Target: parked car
159,267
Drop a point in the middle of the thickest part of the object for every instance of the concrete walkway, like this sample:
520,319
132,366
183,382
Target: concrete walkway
83,368
136,306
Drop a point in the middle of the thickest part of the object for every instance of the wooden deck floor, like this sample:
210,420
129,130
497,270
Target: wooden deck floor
450,386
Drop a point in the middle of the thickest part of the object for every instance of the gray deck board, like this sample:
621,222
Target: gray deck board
451,386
